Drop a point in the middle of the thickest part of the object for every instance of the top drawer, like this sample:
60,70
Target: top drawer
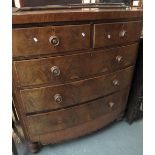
116,33
51,39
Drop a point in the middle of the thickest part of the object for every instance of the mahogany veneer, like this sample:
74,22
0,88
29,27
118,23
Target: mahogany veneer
72,70
116,33
75,66
35,41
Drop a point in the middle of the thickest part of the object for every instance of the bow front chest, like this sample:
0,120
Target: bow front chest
72,70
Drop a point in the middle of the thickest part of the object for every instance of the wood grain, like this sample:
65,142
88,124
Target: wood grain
108,34
87,76
76,131
35,41
40,99
73,67
75,15
62,119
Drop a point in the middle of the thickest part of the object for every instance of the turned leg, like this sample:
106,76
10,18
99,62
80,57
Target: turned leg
34,147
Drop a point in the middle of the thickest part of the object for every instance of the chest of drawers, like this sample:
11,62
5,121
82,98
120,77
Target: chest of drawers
72,70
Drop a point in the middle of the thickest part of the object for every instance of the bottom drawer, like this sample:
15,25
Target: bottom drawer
66,118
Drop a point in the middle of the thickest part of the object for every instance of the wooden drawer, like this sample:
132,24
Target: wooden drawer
51,39
65,95
116,33
39,71
67,118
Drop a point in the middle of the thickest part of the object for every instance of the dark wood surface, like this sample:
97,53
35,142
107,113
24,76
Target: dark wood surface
76,131
35,41
64,15
62,119
110,33
92,72
41,99
73,67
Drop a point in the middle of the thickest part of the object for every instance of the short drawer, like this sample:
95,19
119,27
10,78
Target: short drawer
65,95
74,116
51,39
62,69
109,34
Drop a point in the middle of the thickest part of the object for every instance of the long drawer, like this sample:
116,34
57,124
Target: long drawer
62,69
50,39
67,118
65,95
109,34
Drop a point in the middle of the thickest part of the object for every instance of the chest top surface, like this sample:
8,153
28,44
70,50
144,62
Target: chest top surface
85,14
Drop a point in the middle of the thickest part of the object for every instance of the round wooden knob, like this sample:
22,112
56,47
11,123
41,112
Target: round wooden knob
58,98
119,58
116,83
123,33
55,71
54,40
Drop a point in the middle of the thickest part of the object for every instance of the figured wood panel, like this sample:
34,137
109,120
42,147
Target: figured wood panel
38,71
85,116
108,34
78,130
40,99
35,41
62,119
61,15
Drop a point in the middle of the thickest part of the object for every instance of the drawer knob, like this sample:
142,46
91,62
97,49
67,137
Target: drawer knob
111,104
116,83
54,40
119,58
123,33
58,98
55,71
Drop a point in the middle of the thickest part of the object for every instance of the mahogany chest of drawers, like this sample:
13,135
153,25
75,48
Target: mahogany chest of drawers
72,70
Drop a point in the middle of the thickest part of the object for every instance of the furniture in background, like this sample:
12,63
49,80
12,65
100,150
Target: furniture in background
72,70
135,101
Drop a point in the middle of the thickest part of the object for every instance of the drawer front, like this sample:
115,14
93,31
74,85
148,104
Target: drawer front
60,96
73,67
67,118
52,39
116,33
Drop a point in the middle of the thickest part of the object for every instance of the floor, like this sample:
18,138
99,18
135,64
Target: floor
117,139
